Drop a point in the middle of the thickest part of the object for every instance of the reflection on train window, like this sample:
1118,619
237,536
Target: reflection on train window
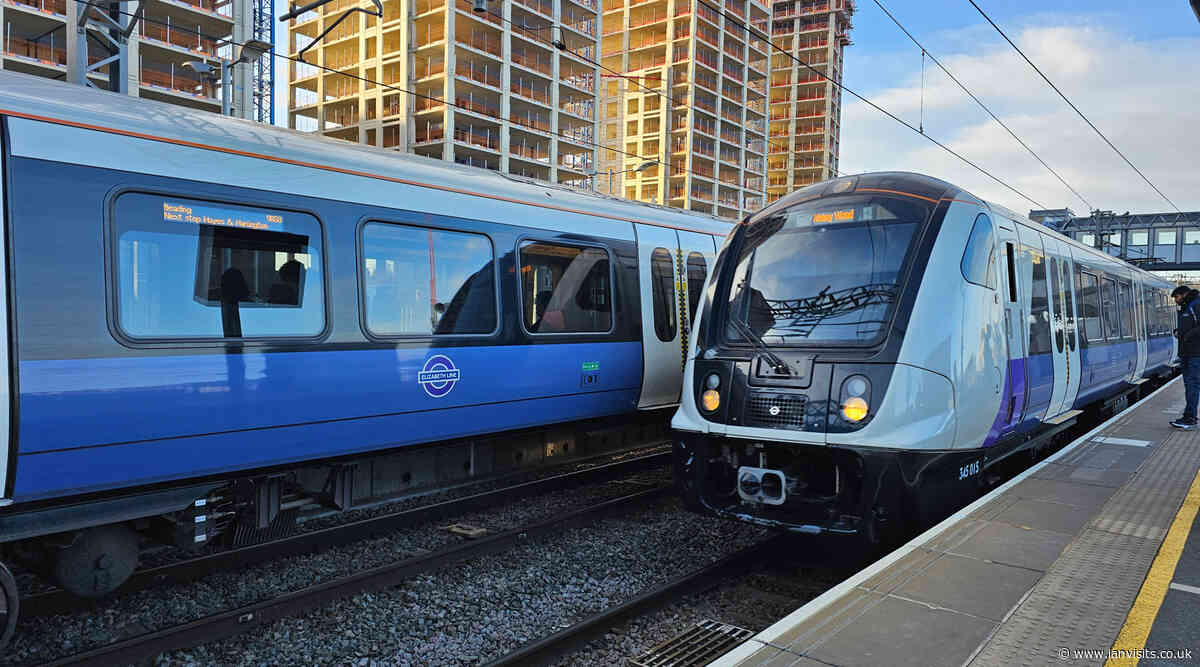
1039,308
662,293
1089,304
980,255
418,282
565,288
697,274
1109,300
190,269
1068,302
1126,309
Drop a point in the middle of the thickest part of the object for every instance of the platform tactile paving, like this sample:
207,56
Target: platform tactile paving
1083,599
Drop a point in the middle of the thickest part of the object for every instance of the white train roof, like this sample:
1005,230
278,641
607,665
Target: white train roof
42,99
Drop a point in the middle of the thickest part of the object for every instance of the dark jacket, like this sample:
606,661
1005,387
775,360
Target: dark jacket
1188,327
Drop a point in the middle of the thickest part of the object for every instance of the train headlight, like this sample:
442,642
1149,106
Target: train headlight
854,409
857,386
712,381
710,400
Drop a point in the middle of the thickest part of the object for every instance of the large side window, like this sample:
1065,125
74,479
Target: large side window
565,288
192,269
1039,308
1109,305
980,256
421,282
1090,305
662,293
1126,310
697,274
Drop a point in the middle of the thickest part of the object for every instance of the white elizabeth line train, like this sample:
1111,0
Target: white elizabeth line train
869,348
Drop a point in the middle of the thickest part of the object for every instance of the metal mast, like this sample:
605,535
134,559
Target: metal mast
262,71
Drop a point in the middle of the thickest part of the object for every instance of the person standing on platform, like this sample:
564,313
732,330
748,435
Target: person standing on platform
1188,332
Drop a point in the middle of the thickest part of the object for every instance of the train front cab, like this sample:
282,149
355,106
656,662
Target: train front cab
801,415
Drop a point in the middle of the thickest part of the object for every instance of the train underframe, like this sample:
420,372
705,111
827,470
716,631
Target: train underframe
91,547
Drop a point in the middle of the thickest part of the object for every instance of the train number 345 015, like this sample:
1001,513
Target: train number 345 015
969,470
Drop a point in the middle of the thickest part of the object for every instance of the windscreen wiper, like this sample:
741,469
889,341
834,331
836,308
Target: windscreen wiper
777,364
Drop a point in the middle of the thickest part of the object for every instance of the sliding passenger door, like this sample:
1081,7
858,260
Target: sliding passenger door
1014,323
1070,323
1140,311
6,444
658,282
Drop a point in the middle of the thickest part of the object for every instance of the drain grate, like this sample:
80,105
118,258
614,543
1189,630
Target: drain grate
700,645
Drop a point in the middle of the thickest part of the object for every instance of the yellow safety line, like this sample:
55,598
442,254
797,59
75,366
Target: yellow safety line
1145,608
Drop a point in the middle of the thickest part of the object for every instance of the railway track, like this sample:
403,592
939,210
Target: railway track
58,601
547,649
243,619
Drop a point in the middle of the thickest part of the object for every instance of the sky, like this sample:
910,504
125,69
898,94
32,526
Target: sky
1133,68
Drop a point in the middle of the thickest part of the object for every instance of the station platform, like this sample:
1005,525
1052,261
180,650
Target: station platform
1090,557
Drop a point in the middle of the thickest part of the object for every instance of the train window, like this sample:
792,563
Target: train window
1012,273
980,256
191,269
1089,305
697,273
565,288
1056,300
422,282
662,293
1039,309
1126,310
1068,303
1108,298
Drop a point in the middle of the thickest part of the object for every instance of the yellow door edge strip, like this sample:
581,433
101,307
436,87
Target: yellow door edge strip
1145,608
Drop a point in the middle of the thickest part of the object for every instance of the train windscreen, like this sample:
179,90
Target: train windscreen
825,272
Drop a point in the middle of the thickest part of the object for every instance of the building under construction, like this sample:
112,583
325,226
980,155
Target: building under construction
509,88
805,104
40,38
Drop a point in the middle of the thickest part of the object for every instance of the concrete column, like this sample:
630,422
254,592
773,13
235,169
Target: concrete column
448,95
243,73
505,80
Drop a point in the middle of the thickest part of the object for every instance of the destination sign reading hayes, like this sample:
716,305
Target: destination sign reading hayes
221,217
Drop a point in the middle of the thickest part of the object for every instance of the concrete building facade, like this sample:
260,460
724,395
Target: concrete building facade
805,108
685,89
39,38
522,93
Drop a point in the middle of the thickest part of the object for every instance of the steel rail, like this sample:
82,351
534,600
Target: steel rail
242,619
548,649
59,601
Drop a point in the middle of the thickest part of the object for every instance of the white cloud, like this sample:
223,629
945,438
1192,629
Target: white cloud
1142,94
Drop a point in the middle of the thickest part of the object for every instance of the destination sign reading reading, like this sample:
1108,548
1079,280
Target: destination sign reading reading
221,217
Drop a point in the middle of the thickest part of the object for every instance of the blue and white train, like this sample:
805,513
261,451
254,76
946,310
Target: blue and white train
868,348
195,305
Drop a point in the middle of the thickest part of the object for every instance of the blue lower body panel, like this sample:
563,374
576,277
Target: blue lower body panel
90,425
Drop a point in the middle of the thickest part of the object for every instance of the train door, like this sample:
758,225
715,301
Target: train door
1014,322
7,455
1068,278
662,373
694,263
1139,327
1034,295
1060,343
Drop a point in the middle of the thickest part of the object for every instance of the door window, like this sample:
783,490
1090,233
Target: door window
1039,309
662,292
697,273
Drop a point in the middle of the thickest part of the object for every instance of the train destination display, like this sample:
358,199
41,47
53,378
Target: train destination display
221,217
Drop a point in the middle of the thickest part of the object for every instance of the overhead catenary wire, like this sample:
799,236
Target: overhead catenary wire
925,52
1072,105
861,98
